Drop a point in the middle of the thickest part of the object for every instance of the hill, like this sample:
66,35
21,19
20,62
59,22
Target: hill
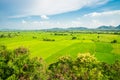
77,28
106,27
118,27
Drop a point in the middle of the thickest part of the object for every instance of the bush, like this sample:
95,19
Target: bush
83,68
34,37
21,50
98,36
2,36
14,67
73,38
114,41
48,39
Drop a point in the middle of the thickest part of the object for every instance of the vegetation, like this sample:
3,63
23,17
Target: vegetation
114,41
51,45
17,65
48,39
52,55
74,38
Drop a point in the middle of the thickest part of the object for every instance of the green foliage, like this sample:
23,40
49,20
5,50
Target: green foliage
2,36
85,67
112,71
74,38
114,41
21,50
34,37
48,39
17,65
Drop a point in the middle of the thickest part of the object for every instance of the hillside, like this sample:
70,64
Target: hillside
118,27
85,28
106,27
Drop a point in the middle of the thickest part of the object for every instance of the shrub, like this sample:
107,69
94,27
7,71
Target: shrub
73,38
14,67
2,36
60,34
83,68
114,41
34,37
98,36
2,47
48,39
21,50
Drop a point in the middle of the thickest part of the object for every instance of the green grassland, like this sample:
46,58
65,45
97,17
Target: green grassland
53,44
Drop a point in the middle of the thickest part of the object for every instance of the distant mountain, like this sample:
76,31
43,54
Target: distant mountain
77,28
118,27
72,28
84,28
54,29
106,27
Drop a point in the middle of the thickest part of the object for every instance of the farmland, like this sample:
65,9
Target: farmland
50,45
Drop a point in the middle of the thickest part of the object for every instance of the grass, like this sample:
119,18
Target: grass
64,45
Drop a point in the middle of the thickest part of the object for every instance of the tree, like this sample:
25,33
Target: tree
114,41
18,66
85,67
73,38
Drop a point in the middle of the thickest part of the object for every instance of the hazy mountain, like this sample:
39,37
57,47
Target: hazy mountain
54,29
71,28
106,27
77,28
118,27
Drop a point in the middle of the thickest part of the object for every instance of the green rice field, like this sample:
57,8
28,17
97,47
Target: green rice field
50,45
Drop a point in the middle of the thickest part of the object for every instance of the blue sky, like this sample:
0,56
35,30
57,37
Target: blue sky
42,14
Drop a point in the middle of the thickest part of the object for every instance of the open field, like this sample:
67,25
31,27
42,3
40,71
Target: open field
50,45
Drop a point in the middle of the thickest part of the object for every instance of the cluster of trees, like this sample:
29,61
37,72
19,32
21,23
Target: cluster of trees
17,65
114,41
9,35
46,39
34,37
73,38
61,34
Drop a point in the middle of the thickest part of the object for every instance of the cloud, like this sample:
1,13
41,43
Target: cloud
99,14
49,7
91,20
23,21
44,17
96,19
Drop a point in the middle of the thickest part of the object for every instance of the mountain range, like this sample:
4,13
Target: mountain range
85,28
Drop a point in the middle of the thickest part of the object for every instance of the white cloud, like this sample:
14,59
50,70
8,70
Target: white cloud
23,21
44,17
90,20
50,7
108,13
96,19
